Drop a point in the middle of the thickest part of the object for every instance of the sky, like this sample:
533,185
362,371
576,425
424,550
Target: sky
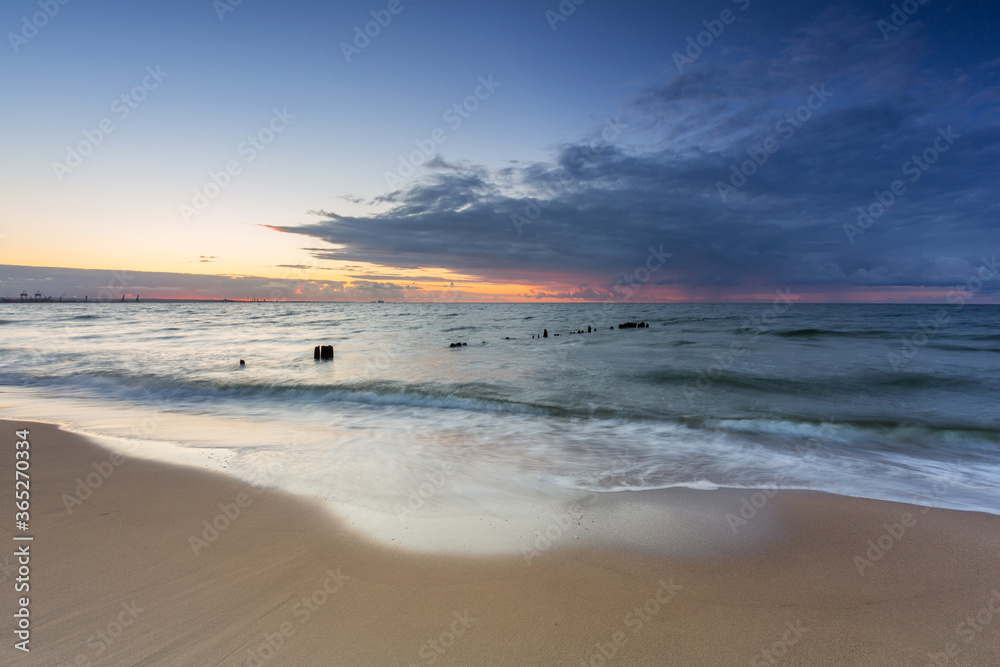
410,150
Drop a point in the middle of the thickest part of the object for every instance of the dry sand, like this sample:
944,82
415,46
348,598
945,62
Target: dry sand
654,578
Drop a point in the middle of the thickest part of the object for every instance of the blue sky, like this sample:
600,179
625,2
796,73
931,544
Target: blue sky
588,121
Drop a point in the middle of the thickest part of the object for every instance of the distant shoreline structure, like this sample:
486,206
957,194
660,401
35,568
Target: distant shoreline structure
50,300
76,300
39,298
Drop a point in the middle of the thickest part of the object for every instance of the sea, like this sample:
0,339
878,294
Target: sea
894,402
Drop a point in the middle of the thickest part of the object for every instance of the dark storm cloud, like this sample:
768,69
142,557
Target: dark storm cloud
844,112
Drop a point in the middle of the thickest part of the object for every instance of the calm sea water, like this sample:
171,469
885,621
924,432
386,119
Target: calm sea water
891,402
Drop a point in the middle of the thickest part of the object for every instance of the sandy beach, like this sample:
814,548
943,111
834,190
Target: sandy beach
135,573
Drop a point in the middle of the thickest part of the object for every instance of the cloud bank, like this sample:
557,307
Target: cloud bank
112,285
842,162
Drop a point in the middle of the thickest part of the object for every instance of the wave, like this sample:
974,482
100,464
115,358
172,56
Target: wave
923,381
843,458
228,395
866,431
700,379
709,379
833,333
961,348
153,389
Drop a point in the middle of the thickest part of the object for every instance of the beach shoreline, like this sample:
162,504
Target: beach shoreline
139,562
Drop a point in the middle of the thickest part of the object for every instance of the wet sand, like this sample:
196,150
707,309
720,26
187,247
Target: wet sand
134,572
